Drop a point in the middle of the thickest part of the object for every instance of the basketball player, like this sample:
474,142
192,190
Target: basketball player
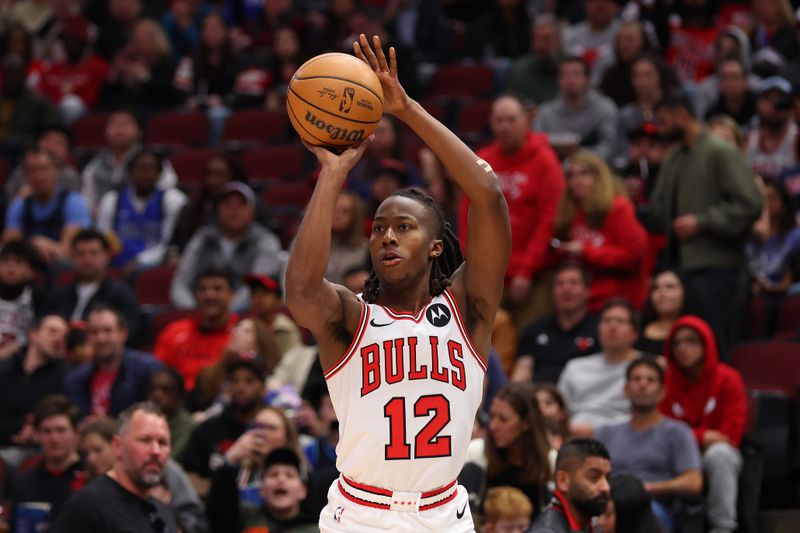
405,361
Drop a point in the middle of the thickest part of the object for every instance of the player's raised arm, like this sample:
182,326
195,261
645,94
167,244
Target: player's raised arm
314,302
489,231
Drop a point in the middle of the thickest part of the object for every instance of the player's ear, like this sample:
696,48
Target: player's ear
437,247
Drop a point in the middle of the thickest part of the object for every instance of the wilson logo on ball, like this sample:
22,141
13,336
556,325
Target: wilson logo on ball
334,132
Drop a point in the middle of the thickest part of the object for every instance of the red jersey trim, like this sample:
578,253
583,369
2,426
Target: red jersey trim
405,316
436,492
452,301
440,502
359,500
368,488
386,493
362,328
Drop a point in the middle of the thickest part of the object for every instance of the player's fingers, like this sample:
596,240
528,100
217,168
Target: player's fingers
359,53
371,59
392,62
376,43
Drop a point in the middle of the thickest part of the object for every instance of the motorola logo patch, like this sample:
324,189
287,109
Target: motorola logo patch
438,315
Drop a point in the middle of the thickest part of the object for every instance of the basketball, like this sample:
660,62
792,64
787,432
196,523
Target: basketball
334,100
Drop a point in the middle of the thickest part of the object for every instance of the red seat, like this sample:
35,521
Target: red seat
177,130
274,162
789,319
3,170
473,81
769,365
152,286
256,127
89,131
474,118
292,195
190,165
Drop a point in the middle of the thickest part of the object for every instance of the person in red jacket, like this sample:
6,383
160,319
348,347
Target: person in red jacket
533,182
710,397
596,224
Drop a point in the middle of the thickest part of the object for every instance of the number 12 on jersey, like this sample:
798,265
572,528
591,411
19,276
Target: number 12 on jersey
427,443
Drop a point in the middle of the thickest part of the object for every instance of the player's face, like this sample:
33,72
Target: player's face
505,425
687,348
143,450
644,389
283,490
98,454
402,243
57,437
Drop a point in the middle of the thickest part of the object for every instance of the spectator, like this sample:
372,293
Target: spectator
659,451
390,176
58,142
548,344
249,338
775,27
772,251
93,286
532,183
692,34
108,170
96,436
629,44
58,472
629,508
266,305
506,510
535,76
348,243
735,97
515,450
20,300
727,129
235,240
182,25
710,397
116,30
593,386
664,306
191,344
212,442
51,216
201,210
121,499
117,377
646,151
587,117
593,39
166,390
26,114
554,410
582,489
282,59
142,72
772,146
208,74
596,225
74,83
705,228
28,376
648,85
503,31
142,216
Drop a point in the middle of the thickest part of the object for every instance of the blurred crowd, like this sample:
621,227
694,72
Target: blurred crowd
649,152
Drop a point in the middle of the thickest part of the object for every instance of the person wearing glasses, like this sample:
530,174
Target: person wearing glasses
710,397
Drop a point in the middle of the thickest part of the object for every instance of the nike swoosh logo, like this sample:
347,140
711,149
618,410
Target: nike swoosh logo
376,325
460,513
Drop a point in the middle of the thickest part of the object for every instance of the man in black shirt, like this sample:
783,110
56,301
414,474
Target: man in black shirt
119,502
549,343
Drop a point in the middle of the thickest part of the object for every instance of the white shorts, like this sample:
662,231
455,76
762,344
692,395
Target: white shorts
342,515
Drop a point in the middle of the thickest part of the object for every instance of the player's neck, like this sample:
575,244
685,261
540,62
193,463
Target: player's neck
404,299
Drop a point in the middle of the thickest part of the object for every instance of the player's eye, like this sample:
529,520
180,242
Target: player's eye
377,228
404,227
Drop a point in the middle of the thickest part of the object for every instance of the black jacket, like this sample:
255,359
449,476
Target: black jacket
111,292
556,519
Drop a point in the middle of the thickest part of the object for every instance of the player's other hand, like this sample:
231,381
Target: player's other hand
340,163
395,99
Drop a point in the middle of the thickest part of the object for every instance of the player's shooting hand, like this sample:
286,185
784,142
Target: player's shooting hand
339,163
395,99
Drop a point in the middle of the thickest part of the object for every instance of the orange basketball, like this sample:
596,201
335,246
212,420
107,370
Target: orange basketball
334,100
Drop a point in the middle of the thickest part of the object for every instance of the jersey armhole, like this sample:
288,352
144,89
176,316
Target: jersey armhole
357,336
460,323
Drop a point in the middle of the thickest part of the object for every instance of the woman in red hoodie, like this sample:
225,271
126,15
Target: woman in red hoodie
597,225
710,397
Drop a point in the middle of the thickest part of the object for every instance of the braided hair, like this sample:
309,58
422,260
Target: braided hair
444,265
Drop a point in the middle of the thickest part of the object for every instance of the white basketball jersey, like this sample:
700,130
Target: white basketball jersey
406,393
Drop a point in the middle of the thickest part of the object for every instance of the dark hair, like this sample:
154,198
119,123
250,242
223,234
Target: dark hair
786,220
575,59
632,504
143,152
23,250
89,235
215,271
575,451
103,426
619,301
55,405
124,418
202,55
123,110
533,441
444,265
66,132
173,375
560,427
676,99
574,265
649,313
647,361
122,322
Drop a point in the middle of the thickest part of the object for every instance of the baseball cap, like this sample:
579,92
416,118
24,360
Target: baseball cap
283,456
646,128
262,280
239,188
775,83
250,360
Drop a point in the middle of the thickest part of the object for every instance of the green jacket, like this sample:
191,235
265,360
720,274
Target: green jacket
711,180
534,78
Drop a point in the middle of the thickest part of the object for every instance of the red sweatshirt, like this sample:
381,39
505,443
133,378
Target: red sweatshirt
716,400
84,80
532,182
614,255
